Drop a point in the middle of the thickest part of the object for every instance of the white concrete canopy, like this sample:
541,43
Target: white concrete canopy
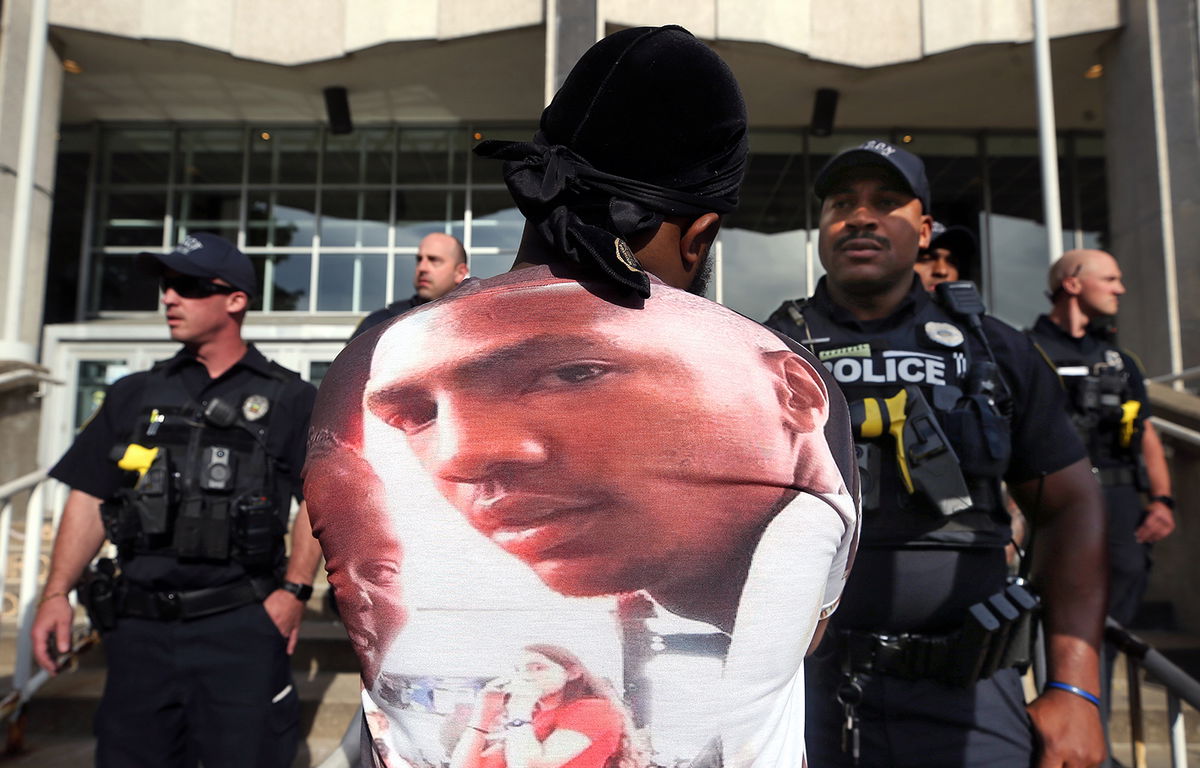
498,77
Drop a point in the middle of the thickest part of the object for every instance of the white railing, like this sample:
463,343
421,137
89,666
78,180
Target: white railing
42,507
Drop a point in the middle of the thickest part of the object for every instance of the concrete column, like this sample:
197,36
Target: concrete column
19,406
14,47
1146,195
571,28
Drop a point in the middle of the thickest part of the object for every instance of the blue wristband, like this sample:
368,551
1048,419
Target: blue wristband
1072,689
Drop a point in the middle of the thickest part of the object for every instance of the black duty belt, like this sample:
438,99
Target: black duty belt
1115,475
169,605
996,634
907,656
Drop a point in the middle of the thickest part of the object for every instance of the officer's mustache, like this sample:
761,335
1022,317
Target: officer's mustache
880,239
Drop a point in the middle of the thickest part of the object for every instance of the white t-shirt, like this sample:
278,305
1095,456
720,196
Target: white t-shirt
529,494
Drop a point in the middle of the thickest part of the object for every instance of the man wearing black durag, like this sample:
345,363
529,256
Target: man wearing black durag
586,439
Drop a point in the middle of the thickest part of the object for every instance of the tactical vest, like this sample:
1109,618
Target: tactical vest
1101,394
932,362
205,488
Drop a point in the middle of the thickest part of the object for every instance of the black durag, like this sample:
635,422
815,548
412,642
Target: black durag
650,123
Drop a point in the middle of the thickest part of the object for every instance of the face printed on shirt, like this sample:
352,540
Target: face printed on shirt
363,557
610,450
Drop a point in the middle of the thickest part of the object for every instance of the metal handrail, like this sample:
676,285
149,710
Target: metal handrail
1184,375
1180,687
36,505
1173,430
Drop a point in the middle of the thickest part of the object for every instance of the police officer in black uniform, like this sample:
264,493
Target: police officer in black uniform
917,669
190,469
1111,410
1109,406
441,265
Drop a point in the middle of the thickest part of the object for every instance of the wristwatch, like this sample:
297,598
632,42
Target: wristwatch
1166,501
301,591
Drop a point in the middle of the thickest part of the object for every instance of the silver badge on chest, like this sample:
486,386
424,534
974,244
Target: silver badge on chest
944,333
255,407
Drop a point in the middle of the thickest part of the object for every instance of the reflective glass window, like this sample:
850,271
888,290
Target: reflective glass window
1020,253
495,221
354,219
207,210
419,212
281,219
342,276
284,281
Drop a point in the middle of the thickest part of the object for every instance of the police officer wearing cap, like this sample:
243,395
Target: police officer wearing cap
189,469
950,256
1111,410
918,669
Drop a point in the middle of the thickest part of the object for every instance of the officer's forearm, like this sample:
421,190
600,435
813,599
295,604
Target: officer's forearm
80,535
306,550
1156,461
1070,568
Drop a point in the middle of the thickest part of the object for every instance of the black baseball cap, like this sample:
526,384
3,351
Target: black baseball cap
207,255
881,154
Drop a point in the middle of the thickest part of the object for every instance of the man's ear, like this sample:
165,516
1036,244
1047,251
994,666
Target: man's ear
801,394
1072,285
696,240
925,232
236,302
460,272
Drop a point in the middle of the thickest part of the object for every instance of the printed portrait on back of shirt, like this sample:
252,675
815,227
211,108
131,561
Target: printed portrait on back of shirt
626,484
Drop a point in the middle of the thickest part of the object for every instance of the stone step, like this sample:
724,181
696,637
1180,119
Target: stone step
64,707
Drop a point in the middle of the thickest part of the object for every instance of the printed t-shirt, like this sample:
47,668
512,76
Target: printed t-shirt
657,490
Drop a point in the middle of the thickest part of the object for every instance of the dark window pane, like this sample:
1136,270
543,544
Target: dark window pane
66,226
123,287
1017,227
773,195
317,371
419,212
354,219
430,156
377,148
211,156
284,156
337,280
141,156
281,219
213,211
134,219
343,159
288,282
364,156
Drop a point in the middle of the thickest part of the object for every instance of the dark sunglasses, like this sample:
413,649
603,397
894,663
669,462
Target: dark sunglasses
190,287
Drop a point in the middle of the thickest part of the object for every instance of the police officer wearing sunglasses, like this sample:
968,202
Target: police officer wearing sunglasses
189,469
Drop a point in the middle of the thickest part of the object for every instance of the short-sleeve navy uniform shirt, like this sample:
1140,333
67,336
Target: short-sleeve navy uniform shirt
87,466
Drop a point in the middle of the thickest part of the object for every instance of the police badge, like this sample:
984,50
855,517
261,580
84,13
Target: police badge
255,407
943,333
